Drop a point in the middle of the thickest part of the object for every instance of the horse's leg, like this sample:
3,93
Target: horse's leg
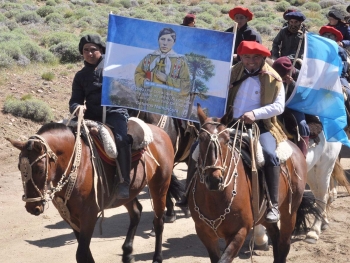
134,209
211,243
333,190
318,179
261,240
274,234
88,220
90,258
170,215
233,245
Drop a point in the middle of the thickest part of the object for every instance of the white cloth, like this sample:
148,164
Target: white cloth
167,62
248,99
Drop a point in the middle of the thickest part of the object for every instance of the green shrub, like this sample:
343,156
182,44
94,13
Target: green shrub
45,11
282,6
6,61
312,6
207,18
264,29
67,52
32,109
51,3
48,76
328,3
28,17
125,3
57,37
54,18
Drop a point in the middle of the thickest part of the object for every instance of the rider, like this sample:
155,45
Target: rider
87,89
335,18
289,74
189,20
241,16
288,38
257,95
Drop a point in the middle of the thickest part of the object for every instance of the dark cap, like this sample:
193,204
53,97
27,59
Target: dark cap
295,15
94,39
336,14
283,66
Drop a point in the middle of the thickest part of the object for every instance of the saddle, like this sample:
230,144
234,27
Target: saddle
103,138
290,126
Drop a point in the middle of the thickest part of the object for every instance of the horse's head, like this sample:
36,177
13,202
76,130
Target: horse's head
33,166
214,151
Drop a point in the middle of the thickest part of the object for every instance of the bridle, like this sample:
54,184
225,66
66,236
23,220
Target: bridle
226,164
26,170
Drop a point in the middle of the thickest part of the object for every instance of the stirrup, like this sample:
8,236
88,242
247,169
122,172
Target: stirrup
273,214
122,191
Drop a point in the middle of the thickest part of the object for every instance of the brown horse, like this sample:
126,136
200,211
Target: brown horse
46,160
220,198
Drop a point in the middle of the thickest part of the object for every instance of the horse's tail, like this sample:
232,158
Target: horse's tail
308,208
176,188
339,175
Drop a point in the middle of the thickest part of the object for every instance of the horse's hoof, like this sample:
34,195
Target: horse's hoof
169,219
310,240
152,233
264,247
324,226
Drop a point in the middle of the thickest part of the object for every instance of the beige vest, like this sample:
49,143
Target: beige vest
271,84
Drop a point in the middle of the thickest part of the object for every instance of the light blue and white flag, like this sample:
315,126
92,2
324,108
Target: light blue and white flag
318,89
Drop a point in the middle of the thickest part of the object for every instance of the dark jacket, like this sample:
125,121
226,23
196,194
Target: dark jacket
286,43
345,31
245,33
87,87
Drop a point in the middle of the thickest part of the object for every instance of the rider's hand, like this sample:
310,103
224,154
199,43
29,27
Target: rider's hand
161,76
248,117
288,79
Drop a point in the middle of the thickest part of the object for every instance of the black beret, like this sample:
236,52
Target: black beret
336,14
295,15
94,39
348,9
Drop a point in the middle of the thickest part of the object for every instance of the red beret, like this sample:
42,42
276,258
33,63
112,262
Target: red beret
252,47
240,10
332,30
283,66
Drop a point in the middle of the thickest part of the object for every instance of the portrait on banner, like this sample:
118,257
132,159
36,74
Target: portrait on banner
165,68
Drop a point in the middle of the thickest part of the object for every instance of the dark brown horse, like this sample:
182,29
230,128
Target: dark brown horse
220,198
182,134
46,160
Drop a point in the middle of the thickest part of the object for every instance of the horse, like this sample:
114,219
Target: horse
182,134
220,198
46,160
322,166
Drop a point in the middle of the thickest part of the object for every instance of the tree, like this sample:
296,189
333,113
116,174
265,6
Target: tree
201,70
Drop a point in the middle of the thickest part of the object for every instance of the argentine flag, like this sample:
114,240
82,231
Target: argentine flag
318,89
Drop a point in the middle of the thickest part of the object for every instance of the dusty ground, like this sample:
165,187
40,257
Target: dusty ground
25,238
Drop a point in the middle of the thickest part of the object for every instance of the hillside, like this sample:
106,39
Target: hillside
36,36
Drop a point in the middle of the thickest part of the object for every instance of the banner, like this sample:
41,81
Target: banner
165,68
318,89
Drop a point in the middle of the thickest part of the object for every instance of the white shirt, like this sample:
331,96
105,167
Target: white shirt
248,99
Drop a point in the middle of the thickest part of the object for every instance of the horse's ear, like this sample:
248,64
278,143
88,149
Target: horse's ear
201,115
228,117
17,144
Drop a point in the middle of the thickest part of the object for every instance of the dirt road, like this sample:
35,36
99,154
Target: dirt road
26,238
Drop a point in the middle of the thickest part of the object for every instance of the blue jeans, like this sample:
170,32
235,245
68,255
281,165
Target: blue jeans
304,129
268,144
120,129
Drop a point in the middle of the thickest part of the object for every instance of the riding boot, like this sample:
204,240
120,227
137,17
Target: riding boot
303,145
124,160
272,176
191,170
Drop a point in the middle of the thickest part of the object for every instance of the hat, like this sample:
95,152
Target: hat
348,9
295,15
283,66
94,39
240,10
332,30
289,10
188,19
336,14
252,47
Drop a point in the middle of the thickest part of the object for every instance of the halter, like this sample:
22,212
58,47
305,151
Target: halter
26,170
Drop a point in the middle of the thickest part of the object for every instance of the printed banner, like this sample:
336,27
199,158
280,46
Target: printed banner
165,68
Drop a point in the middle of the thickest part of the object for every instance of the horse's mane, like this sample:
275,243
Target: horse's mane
52,126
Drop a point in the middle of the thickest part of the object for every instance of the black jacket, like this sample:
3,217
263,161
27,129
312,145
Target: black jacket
245,33
87,87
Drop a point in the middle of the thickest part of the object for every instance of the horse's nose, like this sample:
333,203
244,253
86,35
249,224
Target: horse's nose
37,211
213,182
